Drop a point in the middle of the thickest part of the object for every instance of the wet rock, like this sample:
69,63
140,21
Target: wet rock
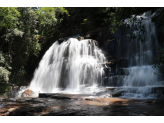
159,91
110,89
123,72
66,38
105,106
123,62
113,80
117,94
80,38
60,97
107,70
29,93
46,95
105,81
120,80
149,101
14,91
61,40
111,92
111,74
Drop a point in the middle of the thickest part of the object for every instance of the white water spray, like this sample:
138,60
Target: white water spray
71,65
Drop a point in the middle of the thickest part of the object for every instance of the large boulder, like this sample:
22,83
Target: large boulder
29,93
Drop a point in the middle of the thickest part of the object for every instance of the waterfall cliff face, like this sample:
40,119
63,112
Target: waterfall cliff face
70,65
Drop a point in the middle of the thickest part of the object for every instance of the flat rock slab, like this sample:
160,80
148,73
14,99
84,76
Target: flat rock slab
80,105
62,96
100,104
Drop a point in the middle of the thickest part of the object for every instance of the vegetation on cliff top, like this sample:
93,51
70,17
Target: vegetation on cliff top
23,33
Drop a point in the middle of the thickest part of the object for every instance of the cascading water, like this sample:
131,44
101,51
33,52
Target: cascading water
140,81
69,67
78,67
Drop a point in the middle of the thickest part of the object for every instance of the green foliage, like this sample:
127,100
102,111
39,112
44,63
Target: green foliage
35,48
4,90
18,76
23,33
86,18
8,17
4,75
5,60
4,68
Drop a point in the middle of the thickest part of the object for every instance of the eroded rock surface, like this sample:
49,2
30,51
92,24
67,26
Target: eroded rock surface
80,105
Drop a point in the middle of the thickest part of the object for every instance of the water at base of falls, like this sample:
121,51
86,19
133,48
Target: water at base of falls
140,82
70,67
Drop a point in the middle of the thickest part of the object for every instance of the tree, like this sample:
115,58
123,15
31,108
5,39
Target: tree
24,31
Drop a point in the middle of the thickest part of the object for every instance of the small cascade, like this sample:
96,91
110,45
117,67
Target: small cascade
138,80
70,67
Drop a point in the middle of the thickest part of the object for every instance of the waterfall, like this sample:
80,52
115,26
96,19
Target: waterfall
71,65
78,67
141,79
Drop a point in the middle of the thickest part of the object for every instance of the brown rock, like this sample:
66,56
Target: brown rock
28,93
